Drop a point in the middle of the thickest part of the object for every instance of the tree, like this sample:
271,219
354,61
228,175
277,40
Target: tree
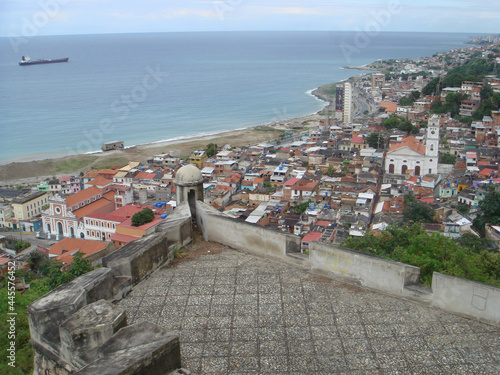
447,159
37,260
432,253
375,140
391,123
80,265
301,208
211,149
143,217
486,92
489,210
417,212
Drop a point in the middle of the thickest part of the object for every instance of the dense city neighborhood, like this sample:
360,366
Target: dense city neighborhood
414,137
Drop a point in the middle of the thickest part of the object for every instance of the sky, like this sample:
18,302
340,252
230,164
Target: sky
66,17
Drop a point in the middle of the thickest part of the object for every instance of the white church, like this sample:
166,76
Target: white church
415,156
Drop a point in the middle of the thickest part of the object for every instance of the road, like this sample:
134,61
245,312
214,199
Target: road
29,237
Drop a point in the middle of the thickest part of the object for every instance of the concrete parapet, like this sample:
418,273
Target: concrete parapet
139,258
141,349
466,297
178,226
244,236
87,329
47,313
75,326
366,270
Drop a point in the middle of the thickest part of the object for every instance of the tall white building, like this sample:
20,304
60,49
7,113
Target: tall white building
347,103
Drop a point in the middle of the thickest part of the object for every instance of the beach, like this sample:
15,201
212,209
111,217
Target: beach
32,171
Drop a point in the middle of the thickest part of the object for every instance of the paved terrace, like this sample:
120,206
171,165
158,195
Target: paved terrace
240,314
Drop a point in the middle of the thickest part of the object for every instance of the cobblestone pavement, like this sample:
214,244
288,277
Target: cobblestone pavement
240,314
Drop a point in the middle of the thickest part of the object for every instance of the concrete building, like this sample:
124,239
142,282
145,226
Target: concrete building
347,104
197,158
412,155
29,205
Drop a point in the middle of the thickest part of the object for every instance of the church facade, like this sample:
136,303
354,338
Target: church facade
414,156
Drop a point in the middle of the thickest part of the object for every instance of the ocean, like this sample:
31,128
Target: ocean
143,88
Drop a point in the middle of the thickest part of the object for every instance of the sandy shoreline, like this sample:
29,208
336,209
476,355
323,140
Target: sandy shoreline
33,168
32,171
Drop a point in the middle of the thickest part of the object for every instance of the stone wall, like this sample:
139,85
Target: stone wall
466,297
253,238
75,329
452,294
364,269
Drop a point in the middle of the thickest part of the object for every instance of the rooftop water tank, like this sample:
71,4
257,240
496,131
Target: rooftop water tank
164,216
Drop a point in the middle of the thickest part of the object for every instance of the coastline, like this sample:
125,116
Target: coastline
30,171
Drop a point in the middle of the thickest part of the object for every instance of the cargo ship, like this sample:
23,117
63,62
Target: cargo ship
27,61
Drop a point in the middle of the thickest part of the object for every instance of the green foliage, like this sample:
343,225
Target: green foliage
301,208
391,123
451,105
211,149
21,245
143,217
269,187
432,253
80,265
473,70
53,277
484,110
496,98
375,140
396,123
417,212
463,209
489,210
447,159
410,99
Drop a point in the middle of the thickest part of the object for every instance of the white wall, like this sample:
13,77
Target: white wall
367,270
466,297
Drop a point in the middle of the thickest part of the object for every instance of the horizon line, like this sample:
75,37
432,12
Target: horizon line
246,31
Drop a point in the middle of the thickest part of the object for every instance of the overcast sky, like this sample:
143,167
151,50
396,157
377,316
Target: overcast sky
62,17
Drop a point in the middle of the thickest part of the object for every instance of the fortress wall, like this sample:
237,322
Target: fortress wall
364,269
139,258
466,297
253,238
136,349
178,226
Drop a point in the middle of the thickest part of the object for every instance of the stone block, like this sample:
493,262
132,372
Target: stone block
48,312
139,349
88,329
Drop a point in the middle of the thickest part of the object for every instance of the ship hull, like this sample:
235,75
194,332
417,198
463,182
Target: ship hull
38,62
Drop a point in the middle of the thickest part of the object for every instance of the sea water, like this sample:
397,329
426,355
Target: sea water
143,88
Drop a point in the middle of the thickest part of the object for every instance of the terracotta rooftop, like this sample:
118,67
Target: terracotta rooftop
66,248
410,142
100,181
102,205
82,196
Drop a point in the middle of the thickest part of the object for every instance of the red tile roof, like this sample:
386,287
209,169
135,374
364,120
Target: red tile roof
410,142
100,181
66,248
357,140
102,205
312,236
82,196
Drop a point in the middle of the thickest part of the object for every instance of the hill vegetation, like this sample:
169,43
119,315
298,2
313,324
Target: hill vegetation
43,276
468,257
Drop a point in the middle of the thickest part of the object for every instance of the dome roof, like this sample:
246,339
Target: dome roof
188,175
